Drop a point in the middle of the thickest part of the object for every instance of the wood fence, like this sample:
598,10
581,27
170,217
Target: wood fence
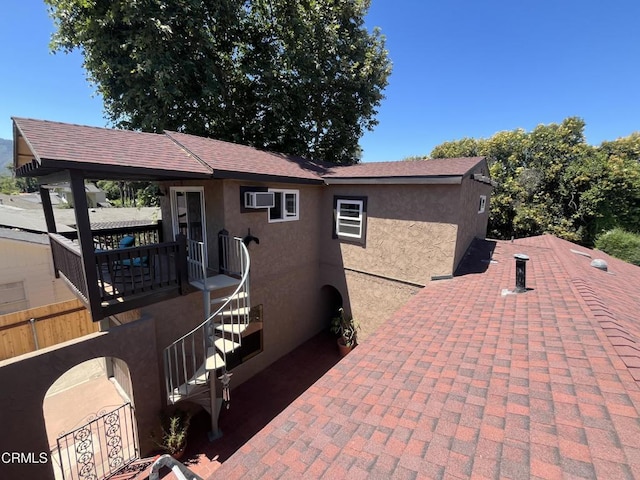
29,330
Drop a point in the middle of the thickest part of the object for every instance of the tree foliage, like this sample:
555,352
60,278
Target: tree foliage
303,77
621,244
551,181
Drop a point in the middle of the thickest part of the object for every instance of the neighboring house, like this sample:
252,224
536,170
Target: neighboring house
27,277
468,380
95,196
260,250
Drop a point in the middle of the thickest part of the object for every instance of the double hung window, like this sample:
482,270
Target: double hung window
350,218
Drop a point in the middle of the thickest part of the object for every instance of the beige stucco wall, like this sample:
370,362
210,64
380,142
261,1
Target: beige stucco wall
27,378
284,271
411,231
471,224
368,299
31,263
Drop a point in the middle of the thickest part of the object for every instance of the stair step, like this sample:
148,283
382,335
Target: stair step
234,328
214,360
216,282
225,345
237,296
236,312
191,387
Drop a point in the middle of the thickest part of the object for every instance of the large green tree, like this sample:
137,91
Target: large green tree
303,77
551,181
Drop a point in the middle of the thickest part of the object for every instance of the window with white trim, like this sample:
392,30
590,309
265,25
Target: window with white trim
483,203
286,205
350,218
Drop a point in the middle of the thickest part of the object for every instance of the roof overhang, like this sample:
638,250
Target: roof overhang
259,177
52,168
438,180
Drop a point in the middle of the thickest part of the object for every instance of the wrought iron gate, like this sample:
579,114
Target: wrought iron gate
100,448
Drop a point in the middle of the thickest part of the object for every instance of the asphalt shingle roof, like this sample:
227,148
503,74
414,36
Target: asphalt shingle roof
465,382
108,147
414,168
61,145
231,157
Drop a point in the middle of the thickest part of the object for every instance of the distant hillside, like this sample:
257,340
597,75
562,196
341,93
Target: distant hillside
6,155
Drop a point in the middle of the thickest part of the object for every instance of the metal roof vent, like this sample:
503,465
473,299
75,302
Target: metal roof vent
521,272
600,264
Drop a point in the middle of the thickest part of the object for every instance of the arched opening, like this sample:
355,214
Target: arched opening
90,420
331,301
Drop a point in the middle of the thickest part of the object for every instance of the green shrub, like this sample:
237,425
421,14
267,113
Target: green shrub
620,244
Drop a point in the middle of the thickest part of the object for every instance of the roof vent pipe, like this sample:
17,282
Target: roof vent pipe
521,272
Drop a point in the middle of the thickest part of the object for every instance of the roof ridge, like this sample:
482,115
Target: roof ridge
625,343
168,133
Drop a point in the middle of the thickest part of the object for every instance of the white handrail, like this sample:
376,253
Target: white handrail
177,347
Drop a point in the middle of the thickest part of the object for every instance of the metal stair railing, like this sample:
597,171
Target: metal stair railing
185,360
196,260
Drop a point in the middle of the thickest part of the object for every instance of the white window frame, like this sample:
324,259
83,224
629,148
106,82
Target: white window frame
483,204
285,216
360,217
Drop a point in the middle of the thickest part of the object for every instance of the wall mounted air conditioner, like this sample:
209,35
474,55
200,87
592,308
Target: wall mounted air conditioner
259,199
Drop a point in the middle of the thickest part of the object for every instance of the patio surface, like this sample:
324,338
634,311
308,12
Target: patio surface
256,402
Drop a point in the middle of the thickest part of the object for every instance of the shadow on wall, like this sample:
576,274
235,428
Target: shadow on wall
331,301
477,258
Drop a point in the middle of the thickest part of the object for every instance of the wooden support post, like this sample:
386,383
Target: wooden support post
48,210
183,273
85,239
49,218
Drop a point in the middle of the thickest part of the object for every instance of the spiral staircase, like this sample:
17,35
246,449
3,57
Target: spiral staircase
194,362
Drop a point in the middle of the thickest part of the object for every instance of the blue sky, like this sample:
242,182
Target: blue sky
462,68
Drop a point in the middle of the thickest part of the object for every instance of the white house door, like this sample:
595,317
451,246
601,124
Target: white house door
187,212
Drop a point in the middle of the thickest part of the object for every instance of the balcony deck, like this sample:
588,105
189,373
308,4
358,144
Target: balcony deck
127,278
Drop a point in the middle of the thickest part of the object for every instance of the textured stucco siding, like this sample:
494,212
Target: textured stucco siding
30,376
369,300
472,224
411,231
284,271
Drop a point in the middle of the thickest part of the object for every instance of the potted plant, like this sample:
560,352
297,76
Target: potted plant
174,433
346,329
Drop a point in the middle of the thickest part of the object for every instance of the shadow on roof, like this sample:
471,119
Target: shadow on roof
477,257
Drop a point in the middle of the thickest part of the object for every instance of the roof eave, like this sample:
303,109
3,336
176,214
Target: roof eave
261,177
429,180
48,166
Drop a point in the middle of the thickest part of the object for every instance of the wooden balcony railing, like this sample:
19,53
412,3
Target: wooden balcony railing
67,259
127,278
109,238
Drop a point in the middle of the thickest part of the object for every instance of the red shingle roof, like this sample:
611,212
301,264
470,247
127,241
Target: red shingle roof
464,382
231,157
416,168
106,147
60,145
